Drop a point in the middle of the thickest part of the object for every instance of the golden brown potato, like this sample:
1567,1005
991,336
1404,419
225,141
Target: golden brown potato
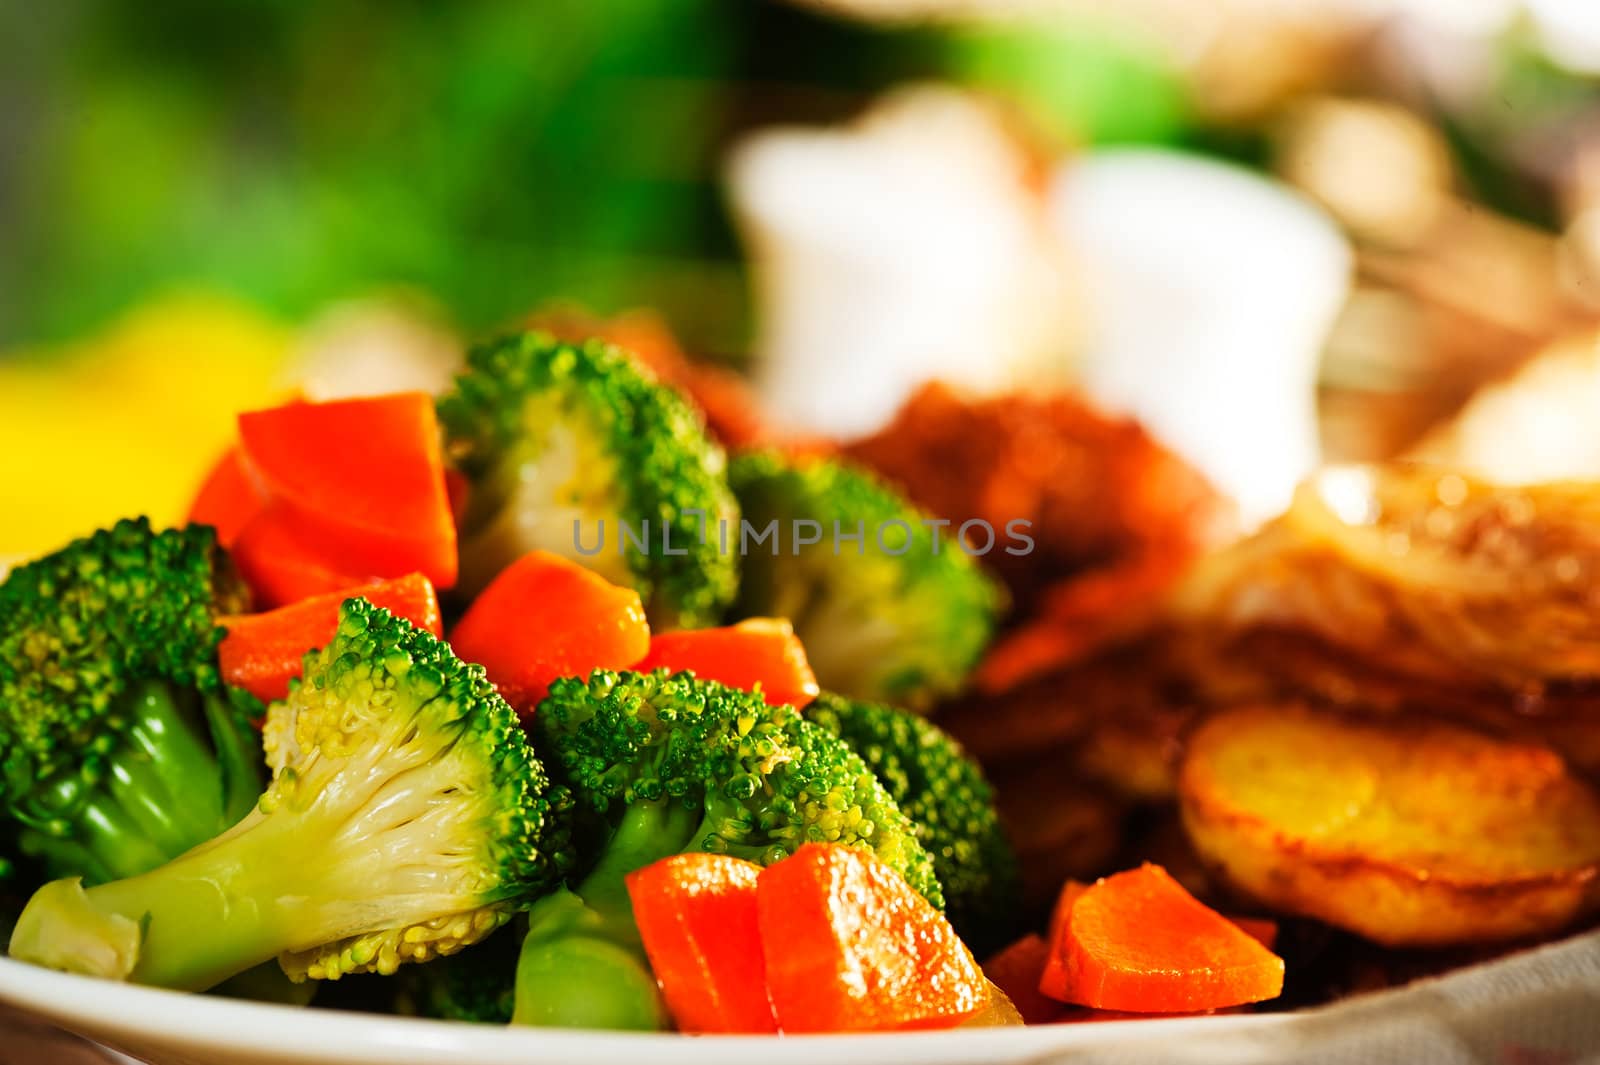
1409,833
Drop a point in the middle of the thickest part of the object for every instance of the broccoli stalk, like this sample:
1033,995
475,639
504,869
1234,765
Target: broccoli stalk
951,807
582,963
406,818
120,746
895,615
660,763
565,446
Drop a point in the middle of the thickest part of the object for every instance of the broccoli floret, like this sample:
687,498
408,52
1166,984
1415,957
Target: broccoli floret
573,449
951,807
888,616
660,763
120,746
406,818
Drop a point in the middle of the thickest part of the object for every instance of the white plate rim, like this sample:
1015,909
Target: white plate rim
145,1017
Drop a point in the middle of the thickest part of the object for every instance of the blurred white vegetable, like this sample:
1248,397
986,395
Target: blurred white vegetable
906,247
1210,292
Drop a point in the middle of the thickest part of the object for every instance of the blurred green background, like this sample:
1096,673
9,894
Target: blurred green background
490,155
185,184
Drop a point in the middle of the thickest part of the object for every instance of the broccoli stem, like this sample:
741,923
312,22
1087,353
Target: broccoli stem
206,915
152,803
582,964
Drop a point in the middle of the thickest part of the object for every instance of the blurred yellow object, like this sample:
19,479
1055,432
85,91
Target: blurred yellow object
129,421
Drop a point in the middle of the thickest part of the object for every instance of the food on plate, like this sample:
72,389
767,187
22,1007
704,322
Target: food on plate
756,654
572,449
545,617
1114,518
406,818
262,653
950,804
1138,942
724,747
1411,833
888,609
851,946
121,744
658,763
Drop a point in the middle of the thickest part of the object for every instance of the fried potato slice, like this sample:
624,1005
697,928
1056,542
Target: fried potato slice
1410,833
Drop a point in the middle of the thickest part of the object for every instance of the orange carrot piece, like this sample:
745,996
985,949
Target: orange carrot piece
756,653
279,566
1054,974
849,946
545,617
1016,970
363,479
1071,891
228,499
262,652
1139,942
697,917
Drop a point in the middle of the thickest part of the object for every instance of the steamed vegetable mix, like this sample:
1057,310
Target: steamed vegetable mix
892,615
575,450
406,818
624,794
660,763
120,743
545,617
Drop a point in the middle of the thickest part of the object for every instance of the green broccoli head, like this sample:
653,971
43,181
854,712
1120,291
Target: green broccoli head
761,780
890,616
120,746
573,449
951,807
406,818
660,763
